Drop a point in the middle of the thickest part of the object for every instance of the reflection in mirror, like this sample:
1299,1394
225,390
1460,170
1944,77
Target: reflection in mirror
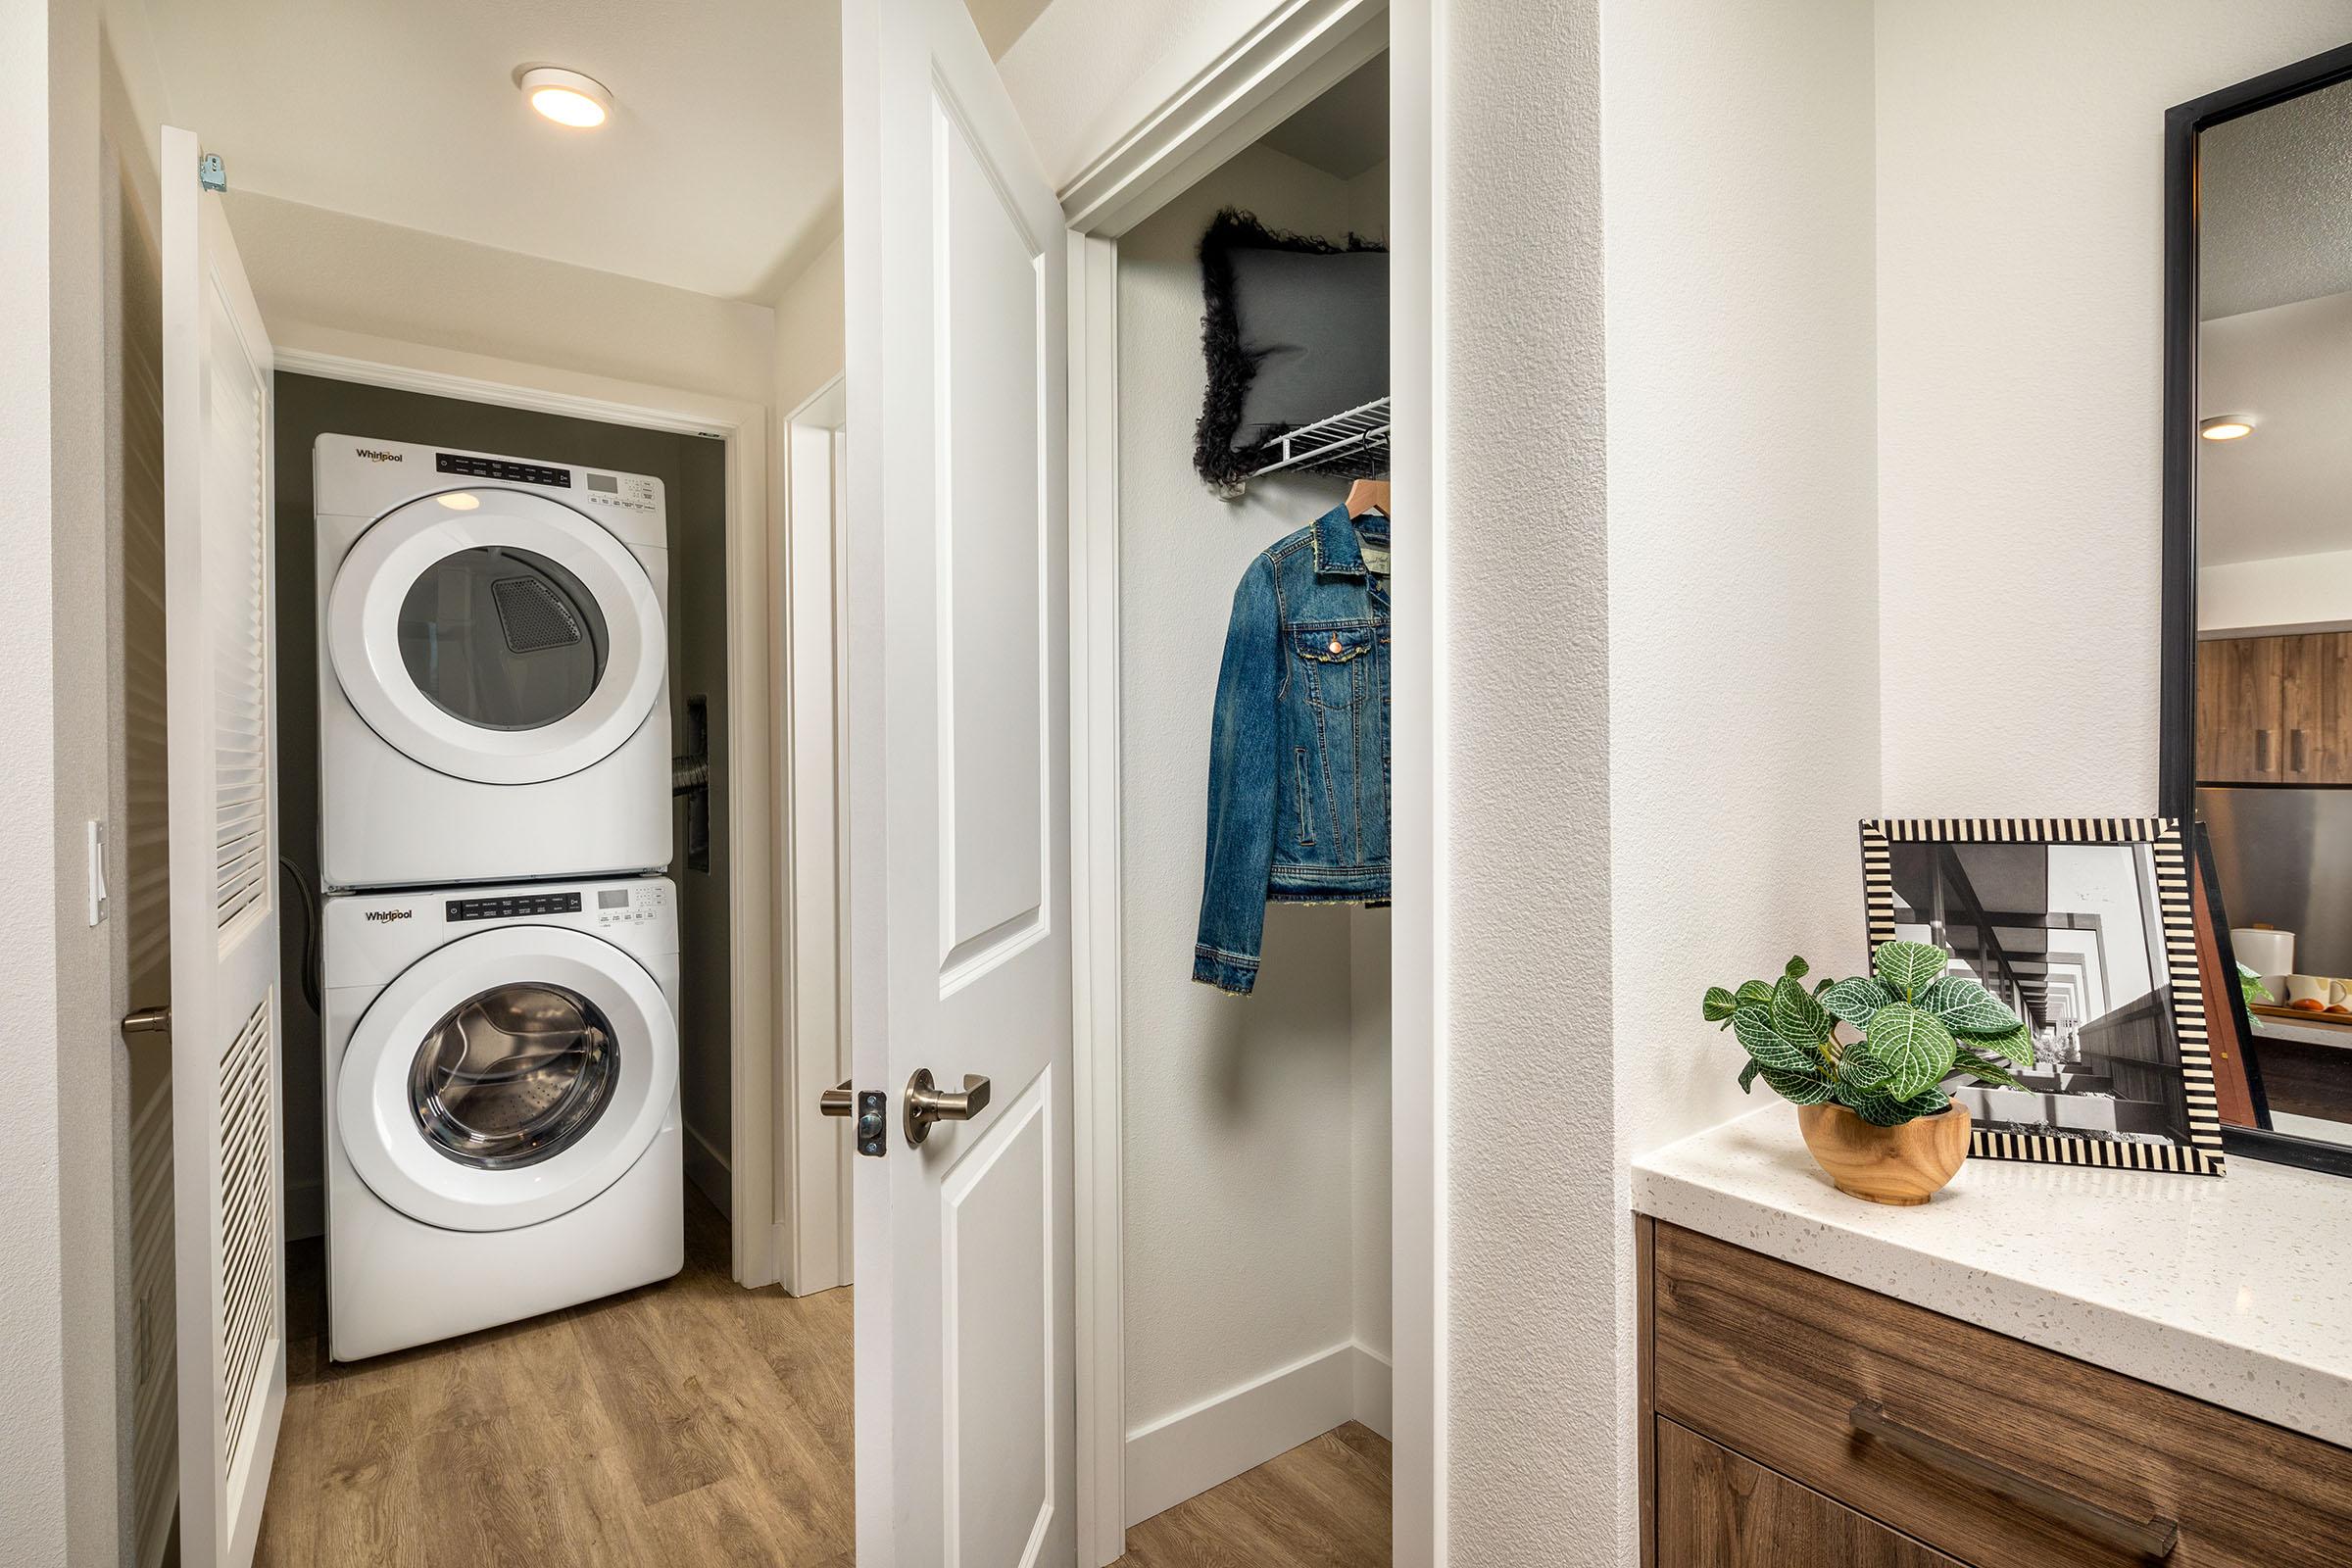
2274,587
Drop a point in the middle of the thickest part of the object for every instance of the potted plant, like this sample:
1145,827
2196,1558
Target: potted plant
1872,1110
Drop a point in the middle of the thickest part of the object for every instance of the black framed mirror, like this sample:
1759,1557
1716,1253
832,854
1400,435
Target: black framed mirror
2256,681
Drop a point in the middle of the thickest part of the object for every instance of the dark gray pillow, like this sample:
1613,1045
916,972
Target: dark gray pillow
1295,329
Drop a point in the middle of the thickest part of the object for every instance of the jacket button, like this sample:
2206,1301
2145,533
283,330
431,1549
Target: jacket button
1335,645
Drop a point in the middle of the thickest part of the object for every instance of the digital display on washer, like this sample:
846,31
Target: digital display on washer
499,468
514,904
613,897
604,484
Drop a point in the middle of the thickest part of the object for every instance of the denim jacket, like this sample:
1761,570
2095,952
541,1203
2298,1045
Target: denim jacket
1299,757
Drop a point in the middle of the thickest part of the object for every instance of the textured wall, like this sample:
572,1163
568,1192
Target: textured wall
2020,260
1240,1216
1534,1202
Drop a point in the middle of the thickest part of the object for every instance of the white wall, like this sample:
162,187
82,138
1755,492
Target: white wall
2287,594
1255,1220
319,273
2021,323
809,324
62,1118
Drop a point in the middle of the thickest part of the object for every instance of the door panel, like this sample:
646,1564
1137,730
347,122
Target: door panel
2240,711
221,667
1717,1509
2302,678
958,750
2332,653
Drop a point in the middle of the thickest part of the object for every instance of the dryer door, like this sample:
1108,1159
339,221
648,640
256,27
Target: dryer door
506,1078
496,636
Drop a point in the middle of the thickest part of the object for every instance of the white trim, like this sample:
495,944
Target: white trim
708,1169
1417,784
1184,1454
1376,1392
814,1207
760,972
1094,887
1292,58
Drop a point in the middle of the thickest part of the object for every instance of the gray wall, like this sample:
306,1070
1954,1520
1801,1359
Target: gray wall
693,469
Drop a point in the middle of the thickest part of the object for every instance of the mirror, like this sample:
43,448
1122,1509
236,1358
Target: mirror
2258,697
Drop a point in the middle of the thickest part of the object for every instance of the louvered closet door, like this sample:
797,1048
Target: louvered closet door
228,1170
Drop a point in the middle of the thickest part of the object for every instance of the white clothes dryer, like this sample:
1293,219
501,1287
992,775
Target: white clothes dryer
502,1104
493,667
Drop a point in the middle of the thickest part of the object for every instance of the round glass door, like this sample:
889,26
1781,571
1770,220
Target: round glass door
513,1075
502,638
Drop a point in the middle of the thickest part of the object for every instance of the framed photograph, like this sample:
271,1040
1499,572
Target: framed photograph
2084,927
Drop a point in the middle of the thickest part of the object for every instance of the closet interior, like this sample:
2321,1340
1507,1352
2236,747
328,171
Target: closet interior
1256,1138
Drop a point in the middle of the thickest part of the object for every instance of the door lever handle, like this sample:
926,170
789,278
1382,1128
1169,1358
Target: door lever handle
148,1021
837,1100
927,1102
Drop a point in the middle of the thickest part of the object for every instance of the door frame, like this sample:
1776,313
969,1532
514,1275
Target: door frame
1278,67
760,968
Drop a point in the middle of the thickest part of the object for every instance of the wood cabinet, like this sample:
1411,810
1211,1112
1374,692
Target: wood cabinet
1792,1418
2275,710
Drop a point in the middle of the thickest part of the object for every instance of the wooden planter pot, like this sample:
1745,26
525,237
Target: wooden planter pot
1906,1165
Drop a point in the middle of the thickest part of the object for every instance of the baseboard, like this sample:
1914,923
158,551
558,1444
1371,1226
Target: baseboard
708,1169
1375,1392
1184,1454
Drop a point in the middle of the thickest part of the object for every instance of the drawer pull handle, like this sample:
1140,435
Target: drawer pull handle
2151,1540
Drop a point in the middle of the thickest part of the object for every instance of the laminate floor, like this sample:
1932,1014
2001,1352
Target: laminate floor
687,1423
1323,1505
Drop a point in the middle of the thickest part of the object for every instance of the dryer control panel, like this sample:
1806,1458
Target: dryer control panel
511,906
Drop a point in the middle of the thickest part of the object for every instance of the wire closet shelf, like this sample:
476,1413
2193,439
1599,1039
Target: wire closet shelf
1354,443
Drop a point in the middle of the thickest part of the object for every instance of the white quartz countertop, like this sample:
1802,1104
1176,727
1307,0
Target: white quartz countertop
2237,1289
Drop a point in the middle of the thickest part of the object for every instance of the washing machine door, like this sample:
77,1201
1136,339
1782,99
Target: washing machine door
506,1078
496,636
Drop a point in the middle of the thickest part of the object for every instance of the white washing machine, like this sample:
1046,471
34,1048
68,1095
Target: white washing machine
502,1104
493,667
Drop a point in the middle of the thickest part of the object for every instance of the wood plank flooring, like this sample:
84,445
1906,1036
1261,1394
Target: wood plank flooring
1323,1505
688,1423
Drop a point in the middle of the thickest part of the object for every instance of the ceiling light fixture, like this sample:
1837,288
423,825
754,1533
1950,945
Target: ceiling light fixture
2226,426
564,96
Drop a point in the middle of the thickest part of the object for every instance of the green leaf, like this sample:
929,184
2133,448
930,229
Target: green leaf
1797,1088
1795,968
1719,1005
1985,1069
1755,994
1882,1110
2016,1045
1747,1075
1796,1017
1918,1048
1961,1005
1859,1070
1909,968
1764,1043
1821,985
1854,1000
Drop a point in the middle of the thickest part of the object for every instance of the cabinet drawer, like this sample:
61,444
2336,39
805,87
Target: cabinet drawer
1998,1452
1718,1510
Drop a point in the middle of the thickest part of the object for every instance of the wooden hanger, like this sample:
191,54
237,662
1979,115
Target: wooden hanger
1367,495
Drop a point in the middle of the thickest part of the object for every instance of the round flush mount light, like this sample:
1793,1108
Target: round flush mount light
564,96
2226,426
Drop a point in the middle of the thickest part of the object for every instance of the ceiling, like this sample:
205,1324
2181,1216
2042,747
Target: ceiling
2275,189
1346,132
2287,489
720,170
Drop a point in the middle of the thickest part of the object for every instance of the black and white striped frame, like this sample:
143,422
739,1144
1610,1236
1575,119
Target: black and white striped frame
2201,1155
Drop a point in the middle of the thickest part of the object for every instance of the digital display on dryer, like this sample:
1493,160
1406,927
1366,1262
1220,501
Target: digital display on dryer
500,468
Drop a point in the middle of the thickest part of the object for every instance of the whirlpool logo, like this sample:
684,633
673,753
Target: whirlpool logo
387,917
375,456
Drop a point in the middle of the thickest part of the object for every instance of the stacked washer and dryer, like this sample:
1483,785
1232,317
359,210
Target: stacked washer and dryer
498,946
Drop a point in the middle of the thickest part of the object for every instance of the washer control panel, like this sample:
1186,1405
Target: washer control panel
638,904
508,907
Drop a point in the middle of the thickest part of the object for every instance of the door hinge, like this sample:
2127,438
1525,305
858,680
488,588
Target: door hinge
210,173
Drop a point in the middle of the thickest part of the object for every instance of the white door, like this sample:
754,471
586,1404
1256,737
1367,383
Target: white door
959,959
223,817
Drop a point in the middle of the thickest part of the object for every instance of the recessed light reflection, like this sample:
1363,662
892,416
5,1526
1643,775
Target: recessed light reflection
459,500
